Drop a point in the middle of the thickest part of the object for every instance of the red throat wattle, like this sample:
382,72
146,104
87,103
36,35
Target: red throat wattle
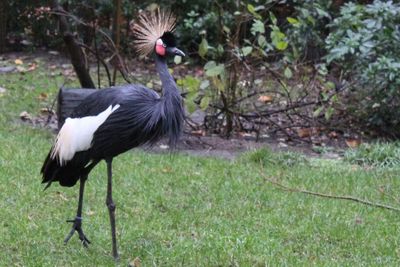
160,48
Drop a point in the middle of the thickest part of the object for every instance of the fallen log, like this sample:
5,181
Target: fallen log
67,100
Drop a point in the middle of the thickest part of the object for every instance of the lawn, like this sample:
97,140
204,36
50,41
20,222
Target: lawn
180,210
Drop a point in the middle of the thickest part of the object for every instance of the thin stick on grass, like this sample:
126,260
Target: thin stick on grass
348,198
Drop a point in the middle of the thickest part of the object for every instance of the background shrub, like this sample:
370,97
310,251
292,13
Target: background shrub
365,44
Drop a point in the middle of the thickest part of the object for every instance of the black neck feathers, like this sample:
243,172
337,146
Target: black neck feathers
171,101
168,82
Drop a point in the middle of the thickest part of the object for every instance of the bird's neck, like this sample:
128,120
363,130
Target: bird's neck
169,87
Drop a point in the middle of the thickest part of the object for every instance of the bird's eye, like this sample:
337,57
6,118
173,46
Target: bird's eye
164,45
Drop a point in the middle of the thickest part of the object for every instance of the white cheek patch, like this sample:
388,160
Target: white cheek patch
159,42
77,134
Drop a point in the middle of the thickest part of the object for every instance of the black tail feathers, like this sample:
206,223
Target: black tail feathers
66,175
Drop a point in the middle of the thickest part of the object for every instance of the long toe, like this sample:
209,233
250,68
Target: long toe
77,227
83,238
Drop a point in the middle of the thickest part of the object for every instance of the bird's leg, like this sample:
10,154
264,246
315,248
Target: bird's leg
111,208
77,222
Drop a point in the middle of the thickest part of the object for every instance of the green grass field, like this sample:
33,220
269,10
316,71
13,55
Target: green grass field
179,210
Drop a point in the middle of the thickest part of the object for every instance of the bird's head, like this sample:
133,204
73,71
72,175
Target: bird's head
166,45
154,33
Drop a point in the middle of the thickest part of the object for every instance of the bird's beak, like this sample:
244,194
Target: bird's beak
176,51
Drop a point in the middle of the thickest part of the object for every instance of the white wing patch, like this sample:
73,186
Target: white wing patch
77,134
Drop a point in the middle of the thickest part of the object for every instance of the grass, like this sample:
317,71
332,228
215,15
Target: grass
179,210
386,155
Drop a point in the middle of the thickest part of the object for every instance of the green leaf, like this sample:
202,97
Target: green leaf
218,83
190,83
281,45
323,13
177,60
252,11
328,113
210,64
250,8
205,101
204,84
262,42
330,85
318,111
273,18
226,29
215,71
257,27
293,21
288,73
203,47
246,50
311,20
190,106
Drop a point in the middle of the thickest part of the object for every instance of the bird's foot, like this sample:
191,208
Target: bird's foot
77,226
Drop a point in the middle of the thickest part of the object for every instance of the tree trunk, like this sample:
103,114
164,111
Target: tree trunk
3,25
75,51
116,33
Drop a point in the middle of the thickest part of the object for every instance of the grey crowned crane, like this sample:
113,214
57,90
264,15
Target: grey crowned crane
114,120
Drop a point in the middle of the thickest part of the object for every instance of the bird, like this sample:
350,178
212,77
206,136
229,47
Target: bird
114,120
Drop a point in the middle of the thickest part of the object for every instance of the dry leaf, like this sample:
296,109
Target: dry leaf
135,263
46,111
307,132
25,116
21,69
353,143
265,98
198,133
42,96
18,61
62,196
333,134
90,213
167,170
32,66
304,132
381,189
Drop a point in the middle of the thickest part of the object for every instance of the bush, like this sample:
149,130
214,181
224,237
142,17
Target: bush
308,28
365,42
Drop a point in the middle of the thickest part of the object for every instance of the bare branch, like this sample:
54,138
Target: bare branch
348,198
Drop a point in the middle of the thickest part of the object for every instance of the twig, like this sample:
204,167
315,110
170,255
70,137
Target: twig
123,68
96,49
98,59
349,198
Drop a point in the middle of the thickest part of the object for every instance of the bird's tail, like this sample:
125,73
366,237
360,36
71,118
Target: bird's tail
66,175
